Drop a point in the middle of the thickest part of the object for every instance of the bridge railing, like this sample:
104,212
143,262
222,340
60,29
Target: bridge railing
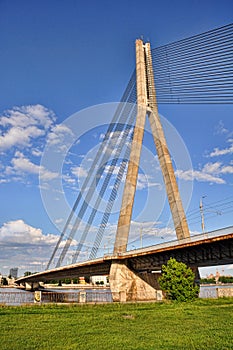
69,297
191,239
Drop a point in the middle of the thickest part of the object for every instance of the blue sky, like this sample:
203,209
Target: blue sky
59,57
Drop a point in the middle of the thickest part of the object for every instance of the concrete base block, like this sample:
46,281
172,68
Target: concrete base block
224,292
127,285
32,286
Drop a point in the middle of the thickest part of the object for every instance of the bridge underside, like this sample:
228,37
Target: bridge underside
218,252
133,274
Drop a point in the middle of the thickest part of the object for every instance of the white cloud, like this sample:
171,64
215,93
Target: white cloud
18,232
145,182
211,172
212,168
21,125
220,129
79,171
221,152
22,165
25,116
24,246
68,179
228,169
36,152
58,135
190,175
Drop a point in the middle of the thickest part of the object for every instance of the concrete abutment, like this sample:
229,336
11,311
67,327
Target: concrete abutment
128,285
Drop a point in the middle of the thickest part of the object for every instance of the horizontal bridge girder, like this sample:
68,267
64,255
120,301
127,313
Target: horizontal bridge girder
215,253
195,252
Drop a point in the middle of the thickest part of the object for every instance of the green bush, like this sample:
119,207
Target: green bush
226,279
208,281
177,281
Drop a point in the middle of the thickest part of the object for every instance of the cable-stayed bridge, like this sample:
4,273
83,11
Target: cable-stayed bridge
193,70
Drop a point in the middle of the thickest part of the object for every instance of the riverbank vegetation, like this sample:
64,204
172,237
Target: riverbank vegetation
178,281
202,324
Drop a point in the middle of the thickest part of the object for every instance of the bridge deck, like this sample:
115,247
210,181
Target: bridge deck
212,248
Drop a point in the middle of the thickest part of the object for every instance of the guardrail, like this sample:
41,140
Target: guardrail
173,243
23,297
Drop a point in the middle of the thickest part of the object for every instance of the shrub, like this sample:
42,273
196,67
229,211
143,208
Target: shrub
177,281
208,281
226,279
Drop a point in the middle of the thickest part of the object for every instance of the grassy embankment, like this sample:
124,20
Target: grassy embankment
203,324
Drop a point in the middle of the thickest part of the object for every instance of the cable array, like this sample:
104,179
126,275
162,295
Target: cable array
198,69
119,123
194,70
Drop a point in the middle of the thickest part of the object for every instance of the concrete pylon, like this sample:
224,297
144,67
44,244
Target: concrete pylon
173,194
132,172
147,104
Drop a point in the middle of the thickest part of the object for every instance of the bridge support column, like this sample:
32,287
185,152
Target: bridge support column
196,272
31,286
127,285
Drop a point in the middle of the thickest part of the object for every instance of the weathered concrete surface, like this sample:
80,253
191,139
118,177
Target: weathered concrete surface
126,285
224,292
174,199
31,286
132,172
146,102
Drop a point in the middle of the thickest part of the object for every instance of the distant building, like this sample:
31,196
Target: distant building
14,272
99,280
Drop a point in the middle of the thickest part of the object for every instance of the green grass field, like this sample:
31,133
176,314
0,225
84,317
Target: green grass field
203,324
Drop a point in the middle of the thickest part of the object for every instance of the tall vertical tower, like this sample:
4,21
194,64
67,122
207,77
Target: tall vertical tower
147,105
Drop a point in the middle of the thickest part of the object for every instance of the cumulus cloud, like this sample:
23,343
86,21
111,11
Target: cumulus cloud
20,125
211,172
22,138
222,130
190,175
227,169
19,233
23,246
58,135
79,171
21,165
221,152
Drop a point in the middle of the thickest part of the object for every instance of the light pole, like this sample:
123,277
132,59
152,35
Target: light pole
141,235
202,215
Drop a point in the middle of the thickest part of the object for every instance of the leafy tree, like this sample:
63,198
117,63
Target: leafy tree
87,279
66,281
27,273
177,281
226,279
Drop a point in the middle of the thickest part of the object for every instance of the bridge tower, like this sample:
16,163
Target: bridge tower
125,283
147,105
